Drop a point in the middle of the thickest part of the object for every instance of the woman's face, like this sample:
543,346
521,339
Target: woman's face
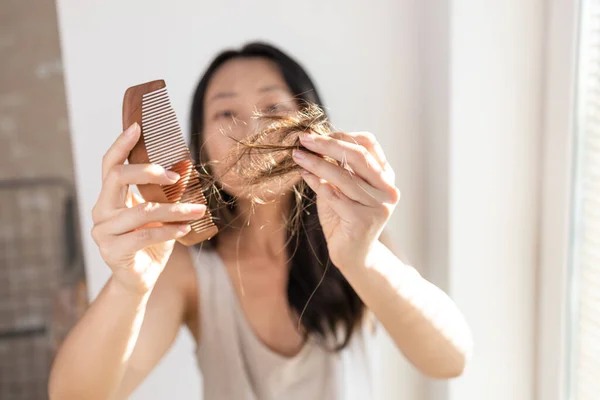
238,89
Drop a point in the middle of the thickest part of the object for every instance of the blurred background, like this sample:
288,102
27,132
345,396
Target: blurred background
489,112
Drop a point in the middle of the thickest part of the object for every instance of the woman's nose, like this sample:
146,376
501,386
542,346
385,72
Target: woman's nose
247,124
244,124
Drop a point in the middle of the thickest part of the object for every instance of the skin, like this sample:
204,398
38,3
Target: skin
153,288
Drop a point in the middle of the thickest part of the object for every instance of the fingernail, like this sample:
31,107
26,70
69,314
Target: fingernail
183,229
304,172
307,138
172,175
131,130
299,154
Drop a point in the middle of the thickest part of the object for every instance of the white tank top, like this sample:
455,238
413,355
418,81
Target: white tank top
237,365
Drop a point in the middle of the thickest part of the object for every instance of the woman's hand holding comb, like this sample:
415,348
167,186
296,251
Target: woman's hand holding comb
135,238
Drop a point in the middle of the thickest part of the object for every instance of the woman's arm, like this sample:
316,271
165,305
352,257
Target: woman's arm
440,320
121,337
422,320
355,200
137,315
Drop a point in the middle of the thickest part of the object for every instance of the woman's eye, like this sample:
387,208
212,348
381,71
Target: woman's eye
272,108
225,114
280,108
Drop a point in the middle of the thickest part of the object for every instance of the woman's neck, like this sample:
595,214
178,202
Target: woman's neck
260,229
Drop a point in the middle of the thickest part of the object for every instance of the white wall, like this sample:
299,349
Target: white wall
363,58
482,91
557,186
496,112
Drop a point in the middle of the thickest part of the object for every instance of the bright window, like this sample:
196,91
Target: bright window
584,314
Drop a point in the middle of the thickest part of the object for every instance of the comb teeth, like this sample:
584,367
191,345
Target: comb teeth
166,147
162,134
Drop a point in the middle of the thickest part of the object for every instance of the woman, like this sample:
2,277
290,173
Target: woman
248,299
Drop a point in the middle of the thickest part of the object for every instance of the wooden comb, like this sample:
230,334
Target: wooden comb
162,143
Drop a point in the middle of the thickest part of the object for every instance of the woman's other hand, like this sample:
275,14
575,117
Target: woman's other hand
354,199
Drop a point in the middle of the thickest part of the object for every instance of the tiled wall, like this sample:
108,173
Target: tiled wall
42,283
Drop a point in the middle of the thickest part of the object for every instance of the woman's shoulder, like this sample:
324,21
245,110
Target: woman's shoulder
190,261
184,278
179,274
181,264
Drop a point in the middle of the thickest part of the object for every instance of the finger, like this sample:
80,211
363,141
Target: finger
350,184
365,139
114,187
368,141
134,241
119,150
133,199
340,202
355,155
128,219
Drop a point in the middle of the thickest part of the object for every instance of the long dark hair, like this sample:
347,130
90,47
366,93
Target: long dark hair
335,305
